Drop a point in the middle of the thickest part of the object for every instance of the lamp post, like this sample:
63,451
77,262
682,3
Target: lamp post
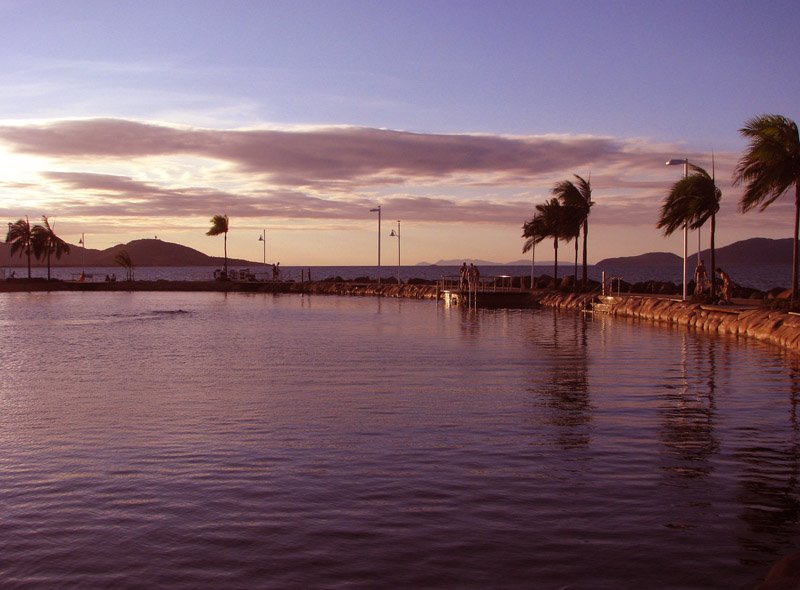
82,242
263,238
685,162
397,235
9,249
533,251
378,210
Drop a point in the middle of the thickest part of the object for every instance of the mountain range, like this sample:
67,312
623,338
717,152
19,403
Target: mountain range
146,252
753,251
155,252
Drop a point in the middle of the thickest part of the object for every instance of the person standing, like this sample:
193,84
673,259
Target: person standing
462,276
727,285
700,278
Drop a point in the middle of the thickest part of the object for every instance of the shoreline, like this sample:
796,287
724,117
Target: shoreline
746,318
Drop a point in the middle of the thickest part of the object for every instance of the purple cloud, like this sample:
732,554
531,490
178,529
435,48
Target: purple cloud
334,172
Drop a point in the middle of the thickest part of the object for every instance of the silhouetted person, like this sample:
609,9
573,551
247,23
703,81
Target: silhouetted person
700,278
727,285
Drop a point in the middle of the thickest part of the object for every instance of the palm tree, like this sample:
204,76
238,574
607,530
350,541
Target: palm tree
219,225
578,195
769,168
125,261
45,242
530,231
550,221
692,201
20,238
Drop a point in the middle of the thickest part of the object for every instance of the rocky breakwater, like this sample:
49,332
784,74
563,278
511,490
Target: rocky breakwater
774,327
411,291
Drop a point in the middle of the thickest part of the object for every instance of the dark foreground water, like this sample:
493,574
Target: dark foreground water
252,441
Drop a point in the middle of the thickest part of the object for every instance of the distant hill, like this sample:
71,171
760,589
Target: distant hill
147,252
753,251
478,262
460,261
154,252
649,259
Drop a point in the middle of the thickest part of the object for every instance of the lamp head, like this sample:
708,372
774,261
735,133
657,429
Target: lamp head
676,162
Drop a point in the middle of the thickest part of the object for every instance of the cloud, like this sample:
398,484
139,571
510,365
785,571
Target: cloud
338,172
316,157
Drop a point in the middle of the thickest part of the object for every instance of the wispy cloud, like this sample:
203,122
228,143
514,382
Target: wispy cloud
336,172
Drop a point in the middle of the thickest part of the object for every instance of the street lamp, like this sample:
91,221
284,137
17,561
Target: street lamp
533,249
397,235
82,242
9,249
685,162
263,238
378,210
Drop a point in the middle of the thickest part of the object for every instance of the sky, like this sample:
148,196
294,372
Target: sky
124,120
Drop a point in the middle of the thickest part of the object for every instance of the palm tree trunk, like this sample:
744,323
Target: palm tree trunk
555,264
575,273
713,258
225,246
796,237
48,265
584,278
29,262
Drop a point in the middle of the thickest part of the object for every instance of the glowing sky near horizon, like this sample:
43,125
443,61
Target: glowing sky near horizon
124,120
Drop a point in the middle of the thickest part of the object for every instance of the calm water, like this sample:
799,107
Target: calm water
211,441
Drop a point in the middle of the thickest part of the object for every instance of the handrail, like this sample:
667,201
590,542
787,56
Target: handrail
490,284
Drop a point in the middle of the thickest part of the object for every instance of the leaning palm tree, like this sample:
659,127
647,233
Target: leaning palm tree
577,194
769,168
534,232
125,261
20,238
692,201
548,222
219,225
45,243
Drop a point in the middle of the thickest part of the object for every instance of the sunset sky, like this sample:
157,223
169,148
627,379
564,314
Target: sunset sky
126,120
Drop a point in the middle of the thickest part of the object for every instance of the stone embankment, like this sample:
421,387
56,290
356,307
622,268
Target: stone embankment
367,289
747,320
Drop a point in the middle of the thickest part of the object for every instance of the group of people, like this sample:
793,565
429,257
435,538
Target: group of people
468,276
702,282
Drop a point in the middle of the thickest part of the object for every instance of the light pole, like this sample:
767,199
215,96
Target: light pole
685,162
82,242
9,249
397,235
533,250
263,238
378,210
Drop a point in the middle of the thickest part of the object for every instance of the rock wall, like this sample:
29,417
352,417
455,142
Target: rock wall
367,289
774,327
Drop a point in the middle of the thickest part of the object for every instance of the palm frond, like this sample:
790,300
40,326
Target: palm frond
691,202
771,164
219,225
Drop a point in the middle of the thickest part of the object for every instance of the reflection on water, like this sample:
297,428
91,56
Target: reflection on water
211,440
560,386
688,410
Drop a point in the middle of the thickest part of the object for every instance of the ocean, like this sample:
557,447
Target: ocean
231,440
757,277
